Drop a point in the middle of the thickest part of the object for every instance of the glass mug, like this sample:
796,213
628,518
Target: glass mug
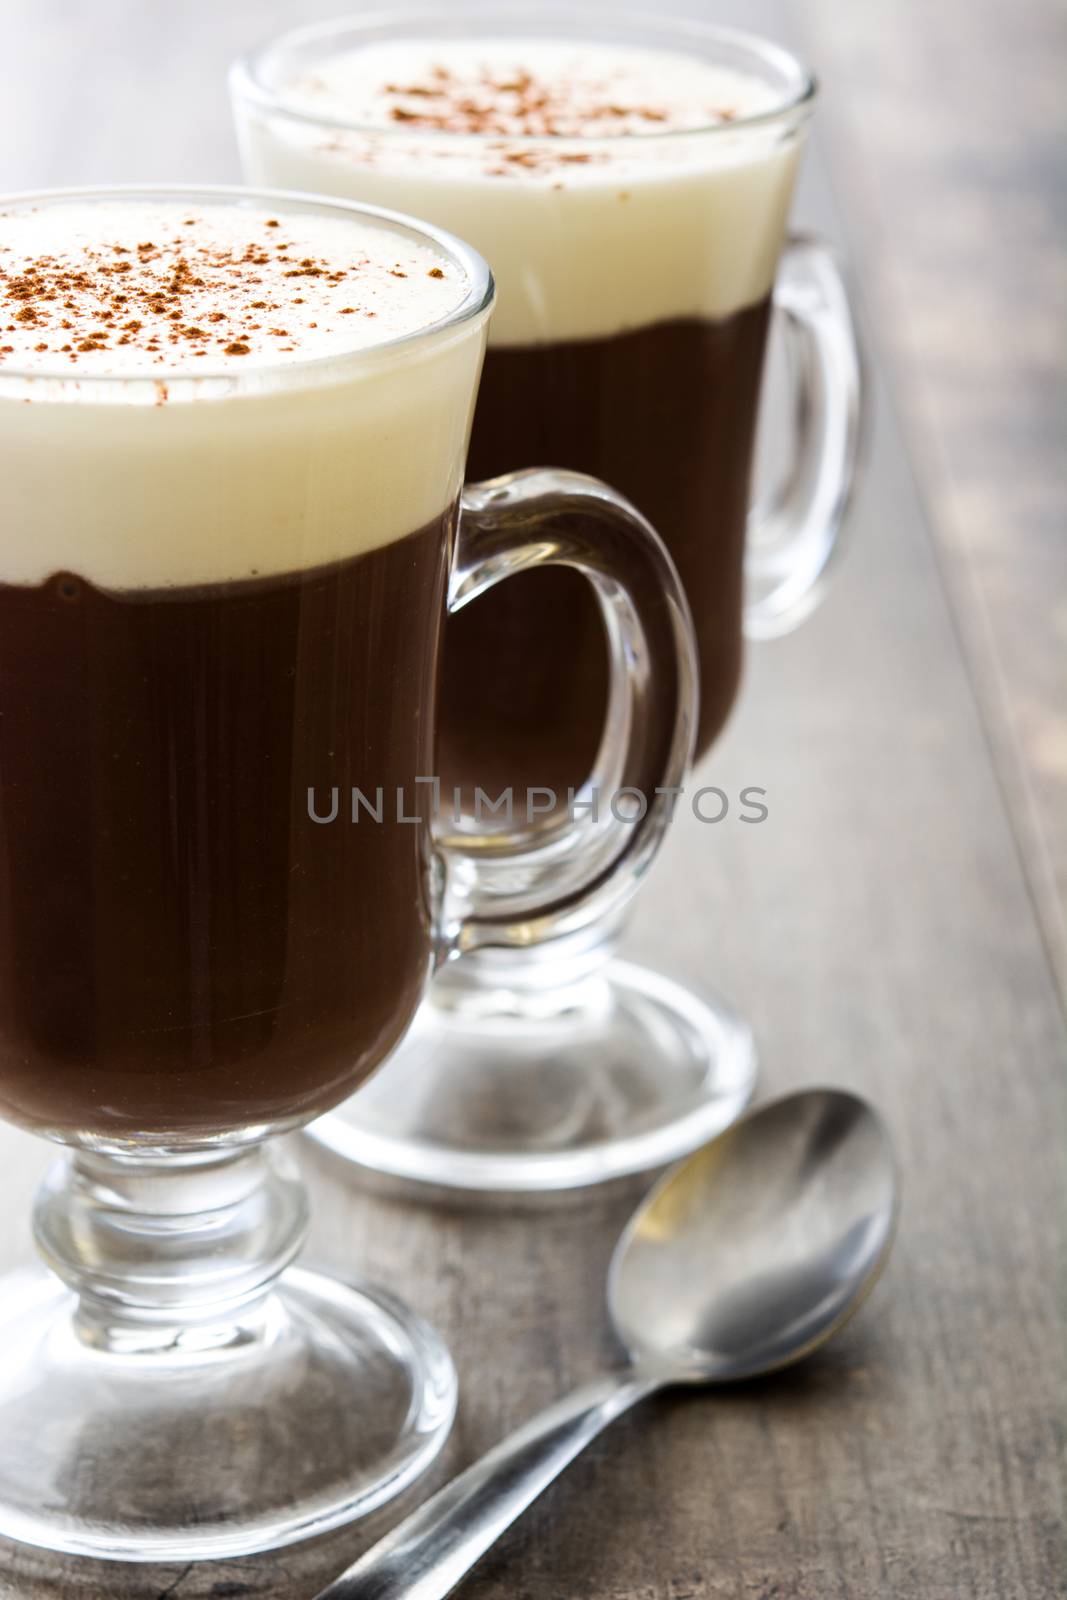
637,278
219,616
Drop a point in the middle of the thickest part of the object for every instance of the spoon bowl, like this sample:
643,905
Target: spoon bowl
760,1246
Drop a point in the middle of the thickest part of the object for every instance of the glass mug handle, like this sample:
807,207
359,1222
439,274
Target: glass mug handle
520,886
791,540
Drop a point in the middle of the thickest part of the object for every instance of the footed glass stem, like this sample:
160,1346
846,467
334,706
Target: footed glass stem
149,1272
174,1389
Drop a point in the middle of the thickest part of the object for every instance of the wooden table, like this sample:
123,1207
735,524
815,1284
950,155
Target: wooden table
895,926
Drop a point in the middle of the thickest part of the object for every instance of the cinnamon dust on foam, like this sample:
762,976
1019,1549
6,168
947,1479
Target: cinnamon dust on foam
521,104
184,292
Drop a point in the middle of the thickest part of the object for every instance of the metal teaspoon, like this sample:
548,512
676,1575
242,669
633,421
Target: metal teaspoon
744,1258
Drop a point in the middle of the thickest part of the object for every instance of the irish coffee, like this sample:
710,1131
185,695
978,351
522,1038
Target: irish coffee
227,498
233,429
632,206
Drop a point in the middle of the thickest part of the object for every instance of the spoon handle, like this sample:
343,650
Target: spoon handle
427,1554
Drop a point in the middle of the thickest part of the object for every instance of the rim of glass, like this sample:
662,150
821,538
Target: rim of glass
476,303
246,82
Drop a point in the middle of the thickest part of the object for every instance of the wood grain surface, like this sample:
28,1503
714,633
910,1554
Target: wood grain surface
887,928
947,131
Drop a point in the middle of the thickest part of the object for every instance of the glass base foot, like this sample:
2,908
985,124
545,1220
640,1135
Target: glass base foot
321,1405
496,1092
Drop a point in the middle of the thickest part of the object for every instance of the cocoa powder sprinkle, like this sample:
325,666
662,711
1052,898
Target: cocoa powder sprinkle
517,102
528,105
190,285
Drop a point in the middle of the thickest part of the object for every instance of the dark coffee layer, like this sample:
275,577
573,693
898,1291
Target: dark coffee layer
666,414
184,950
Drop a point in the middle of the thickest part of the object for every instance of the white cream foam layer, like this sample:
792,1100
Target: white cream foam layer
162,477
522,86
587,236
126,286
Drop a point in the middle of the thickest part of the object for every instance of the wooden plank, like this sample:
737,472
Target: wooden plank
948,130
879,930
